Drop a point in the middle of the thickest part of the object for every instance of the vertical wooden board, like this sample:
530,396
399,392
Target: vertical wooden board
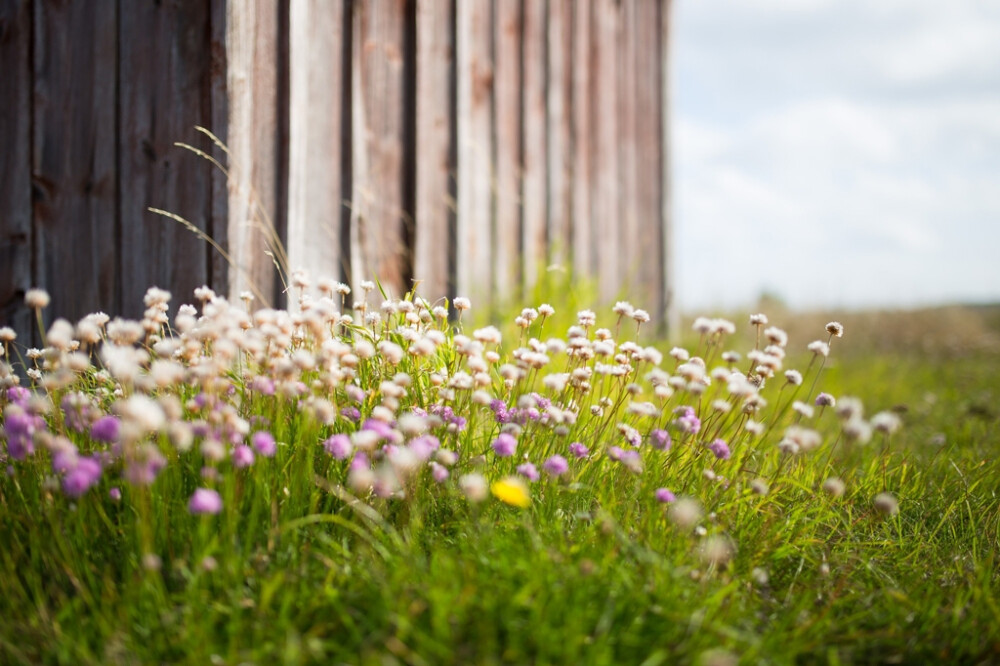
507,24
559,130
604,164
317,155
255,172
475,148
583,140
649,149
533,245
435,164
672,316
218,223
635,250
74,170
15,166
165,90
378,140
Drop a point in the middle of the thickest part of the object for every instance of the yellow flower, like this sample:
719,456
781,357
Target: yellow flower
511,490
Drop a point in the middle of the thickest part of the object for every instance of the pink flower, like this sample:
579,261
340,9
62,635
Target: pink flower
205,501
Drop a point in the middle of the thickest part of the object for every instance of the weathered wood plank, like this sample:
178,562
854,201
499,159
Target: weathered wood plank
255,171
649,147
507,24
559,130
319,159
166,89
604,165
584,125
534,210
218,223
378,222
435,172
73,170
636,252
15,166
672,314
475,148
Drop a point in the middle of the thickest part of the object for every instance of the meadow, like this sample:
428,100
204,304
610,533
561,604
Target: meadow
378,480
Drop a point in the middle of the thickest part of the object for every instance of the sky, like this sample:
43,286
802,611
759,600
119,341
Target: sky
836,153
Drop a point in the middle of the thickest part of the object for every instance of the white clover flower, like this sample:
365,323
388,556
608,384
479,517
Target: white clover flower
836,329
819,348
462,303
586,318
546,310
794,377
640,316
680,354
776,336
623,309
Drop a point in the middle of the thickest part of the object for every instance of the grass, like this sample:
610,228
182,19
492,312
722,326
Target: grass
310,562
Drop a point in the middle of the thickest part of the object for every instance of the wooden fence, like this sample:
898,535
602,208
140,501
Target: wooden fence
467,144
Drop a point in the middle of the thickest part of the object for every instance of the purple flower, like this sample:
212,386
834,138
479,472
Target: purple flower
20,428
660,439
381,428
556,465
663,495
500,411
825,400
688,421
84,475
262,385
541,401
242,456
263,442
19,396
205,501
528,471
145,465
632,436
422,447
504,445
338,446
615,452
579,450
632,461
75,412
115,494
351,414
106,429
720,449
439,472
360,461
64,460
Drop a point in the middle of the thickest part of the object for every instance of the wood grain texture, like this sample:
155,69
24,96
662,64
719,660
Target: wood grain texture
559,131
378,222
15,165
74,162
255,171
474,41
584,124
605,162
507,23
670,310
534,189
218,224
165,90
633,246
435,149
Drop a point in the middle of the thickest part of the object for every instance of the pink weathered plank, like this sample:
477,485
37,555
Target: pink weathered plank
559,130
534,190
165,91
636,250
74,171
15,165
584,124
475,148
649,177
507,25
378,219
318,159
435,165
672,314
605,162
253,59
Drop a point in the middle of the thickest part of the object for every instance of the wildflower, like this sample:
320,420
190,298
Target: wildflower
688,422
794,377
528,471
115,494
205,501
462,303
578,450
242,456
555,465
803,409
720,449
716,550
833,487
759,486
836,329
776,336
758,320
886,504
504,445
474,486
546,310
144,465
685,512
37,299
819,348
660,439
664,496
623,309
511,490
84,474
640,316
825,400
439,472
264,443
886,422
